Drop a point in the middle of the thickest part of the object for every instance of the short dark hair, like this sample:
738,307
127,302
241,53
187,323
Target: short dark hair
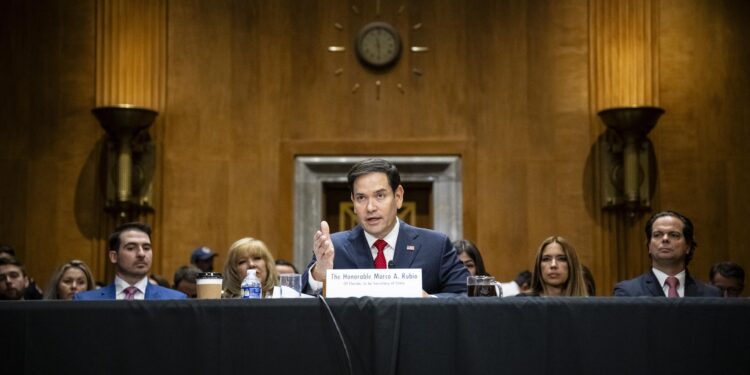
523,277
728,270
160,280
7,249
13,261
284,262
468,247
687,230
114,238
368,166
187,273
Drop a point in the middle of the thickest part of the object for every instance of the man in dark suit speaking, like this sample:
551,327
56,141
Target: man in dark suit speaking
671,245
381,240
130,251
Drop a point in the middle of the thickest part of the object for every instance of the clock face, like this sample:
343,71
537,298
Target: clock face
378,45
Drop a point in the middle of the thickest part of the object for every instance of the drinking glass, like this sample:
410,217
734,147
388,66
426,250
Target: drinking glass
291,285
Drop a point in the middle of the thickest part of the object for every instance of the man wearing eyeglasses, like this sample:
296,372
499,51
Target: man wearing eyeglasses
130,251
729,277
671,245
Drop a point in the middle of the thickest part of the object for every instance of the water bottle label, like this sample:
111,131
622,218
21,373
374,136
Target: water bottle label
251,292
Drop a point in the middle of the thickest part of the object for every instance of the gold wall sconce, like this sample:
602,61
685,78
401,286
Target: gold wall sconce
128,168
628,168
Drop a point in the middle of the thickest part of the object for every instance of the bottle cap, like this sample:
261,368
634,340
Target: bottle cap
253,273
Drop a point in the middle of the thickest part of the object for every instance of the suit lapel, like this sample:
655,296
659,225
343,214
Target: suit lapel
407,246
652,285
151,292
358,249
691,289
108,292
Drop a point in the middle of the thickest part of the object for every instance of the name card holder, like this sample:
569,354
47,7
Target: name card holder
394,282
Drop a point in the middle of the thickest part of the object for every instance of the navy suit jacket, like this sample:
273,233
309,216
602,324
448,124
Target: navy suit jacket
442,273
647,285
108,292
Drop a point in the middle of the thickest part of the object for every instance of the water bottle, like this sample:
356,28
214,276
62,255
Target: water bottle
251,287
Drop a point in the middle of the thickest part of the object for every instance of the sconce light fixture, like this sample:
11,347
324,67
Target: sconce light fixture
130,159
628,167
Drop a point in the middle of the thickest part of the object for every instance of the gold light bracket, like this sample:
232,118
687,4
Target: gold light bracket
628,167
129,160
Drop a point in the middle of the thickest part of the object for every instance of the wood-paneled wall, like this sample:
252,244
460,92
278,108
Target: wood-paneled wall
249,84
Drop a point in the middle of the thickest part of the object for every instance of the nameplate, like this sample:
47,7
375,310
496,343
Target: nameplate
394,282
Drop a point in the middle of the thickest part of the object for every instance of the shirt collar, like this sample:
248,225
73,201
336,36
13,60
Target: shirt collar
121,284
390,238
662,277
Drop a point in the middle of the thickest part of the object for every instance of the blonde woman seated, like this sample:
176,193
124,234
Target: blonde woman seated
69,279
246,254
557,271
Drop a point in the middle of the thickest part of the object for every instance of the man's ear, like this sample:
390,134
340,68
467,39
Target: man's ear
112,257
399,194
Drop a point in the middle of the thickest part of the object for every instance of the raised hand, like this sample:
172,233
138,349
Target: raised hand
324,253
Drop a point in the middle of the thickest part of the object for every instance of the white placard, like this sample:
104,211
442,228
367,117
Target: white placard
394,282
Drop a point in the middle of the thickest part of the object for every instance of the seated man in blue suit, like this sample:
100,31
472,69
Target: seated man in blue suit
671,245
377,194
130,251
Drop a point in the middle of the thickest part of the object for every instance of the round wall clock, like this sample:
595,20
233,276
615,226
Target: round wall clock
378,45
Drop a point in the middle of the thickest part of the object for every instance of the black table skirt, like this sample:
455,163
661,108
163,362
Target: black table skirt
383,336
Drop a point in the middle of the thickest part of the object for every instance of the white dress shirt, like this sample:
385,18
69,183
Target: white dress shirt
662,277
389,251
121,284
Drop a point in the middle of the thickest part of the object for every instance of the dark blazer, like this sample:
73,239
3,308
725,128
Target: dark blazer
442,273
108,292
647,285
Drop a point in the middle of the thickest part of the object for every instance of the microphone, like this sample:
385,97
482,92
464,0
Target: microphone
390,264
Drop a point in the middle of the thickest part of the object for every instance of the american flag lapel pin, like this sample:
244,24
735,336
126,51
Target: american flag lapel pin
409,247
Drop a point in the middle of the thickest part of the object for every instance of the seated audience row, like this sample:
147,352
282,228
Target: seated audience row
557,270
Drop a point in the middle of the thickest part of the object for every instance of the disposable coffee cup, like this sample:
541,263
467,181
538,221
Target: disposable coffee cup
209,285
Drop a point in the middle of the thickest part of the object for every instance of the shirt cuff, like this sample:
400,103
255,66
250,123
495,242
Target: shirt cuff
312,284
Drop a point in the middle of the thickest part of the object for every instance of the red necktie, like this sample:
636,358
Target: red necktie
380,258
130,293
672,282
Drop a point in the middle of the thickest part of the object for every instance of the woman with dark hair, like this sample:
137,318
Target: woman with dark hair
557,271
246,254
469,255
69,279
